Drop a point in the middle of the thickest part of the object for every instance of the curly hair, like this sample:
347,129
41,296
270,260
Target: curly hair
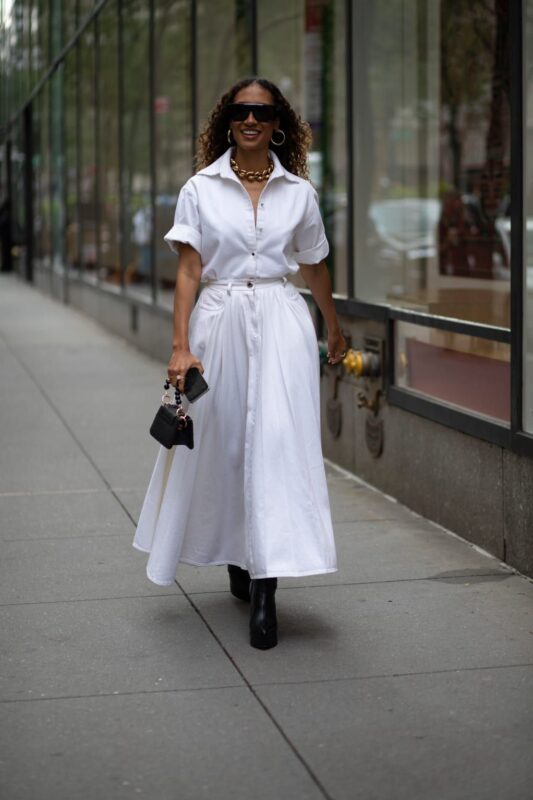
212,142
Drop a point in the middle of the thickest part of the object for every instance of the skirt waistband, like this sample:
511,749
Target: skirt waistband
244,283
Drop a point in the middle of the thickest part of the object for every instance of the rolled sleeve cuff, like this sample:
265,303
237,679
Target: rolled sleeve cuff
184,234
314,255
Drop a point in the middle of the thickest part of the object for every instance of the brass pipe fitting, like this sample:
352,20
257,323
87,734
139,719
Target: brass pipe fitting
362,363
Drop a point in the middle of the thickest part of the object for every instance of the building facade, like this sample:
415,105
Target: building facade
422,119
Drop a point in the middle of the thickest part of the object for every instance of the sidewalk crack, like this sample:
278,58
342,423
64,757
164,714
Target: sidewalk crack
260,702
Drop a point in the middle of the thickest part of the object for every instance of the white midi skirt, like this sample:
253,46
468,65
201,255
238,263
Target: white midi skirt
253,490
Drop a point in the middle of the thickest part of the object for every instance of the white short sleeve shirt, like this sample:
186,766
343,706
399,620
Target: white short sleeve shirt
214,214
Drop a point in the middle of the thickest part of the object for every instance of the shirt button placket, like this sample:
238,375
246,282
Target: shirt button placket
258,231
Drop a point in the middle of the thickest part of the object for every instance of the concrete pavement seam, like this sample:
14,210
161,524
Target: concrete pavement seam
222,591
382,675
250,686
54,698
88,599
265,708
67,538
47,492
371,583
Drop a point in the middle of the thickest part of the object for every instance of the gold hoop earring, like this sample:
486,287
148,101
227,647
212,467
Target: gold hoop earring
229,135
282,140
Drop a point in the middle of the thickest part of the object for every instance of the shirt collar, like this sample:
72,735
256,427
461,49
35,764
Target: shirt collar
223,168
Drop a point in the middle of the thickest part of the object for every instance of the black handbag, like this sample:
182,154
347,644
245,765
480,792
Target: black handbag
171,424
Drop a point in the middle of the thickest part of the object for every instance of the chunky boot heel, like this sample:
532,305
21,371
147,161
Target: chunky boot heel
263,622
239,582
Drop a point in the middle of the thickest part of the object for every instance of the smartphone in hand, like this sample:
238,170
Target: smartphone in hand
195,384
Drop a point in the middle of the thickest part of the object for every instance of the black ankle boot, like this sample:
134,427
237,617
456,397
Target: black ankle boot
239,582
263,622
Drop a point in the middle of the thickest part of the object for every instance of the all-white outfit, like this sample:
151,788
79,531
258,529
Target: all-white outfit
253,490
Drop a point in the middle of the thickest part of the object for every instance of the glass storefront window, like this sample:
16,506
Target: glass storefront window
84,8
42,178
69,20
173,129
224,49
18,206
43,34
108,159
432,130
34,43
528,219
431,154
136,178
463,371
302,50
72,222
23,20
12,49
88,155
57,144
18,18
5,68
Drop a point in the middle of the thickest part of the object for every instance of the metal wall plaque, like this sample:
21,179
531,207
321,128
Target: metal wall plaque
374,435
334,417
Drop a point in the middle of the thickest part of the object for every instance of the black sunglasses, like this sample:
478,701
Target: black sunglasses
238,112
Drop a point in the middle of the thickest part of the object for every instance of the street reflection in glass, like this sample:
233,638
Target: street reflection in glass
432,130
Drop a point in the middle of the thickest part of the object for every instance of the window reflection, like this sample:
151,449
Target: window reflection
19,233
17,25
224,49
72,222
108,160
42,180
69,20
462,371
173,129
135,176
292,33
20,32
57,206
88,155
431,112
85,8
43,34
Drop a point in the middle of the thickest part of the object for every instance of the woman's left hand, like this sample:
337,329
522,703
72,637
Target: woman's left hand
336,347
317,278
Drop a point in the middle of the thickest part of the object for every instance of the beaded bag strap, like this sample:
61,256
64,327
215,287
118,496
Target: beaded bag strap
177,397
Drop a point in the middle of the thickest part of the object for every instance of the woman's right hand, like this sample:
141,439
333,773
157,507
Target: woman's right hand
180,362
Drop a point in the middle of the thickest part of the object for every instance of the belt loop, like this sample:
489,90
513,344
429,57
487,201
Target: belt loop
229,287
284,279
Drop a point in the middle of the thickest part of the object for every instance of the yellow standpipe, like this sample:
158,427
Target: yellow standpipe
362,363
353,362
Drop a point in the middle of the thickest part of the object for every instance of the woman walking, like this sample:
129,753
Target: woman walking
252,493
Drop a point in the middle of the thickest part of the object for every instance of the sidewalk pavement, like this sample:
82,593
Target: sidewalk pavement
407,675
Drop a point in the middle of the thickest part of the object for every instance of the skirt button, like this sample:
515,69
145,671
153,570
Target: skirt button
249,284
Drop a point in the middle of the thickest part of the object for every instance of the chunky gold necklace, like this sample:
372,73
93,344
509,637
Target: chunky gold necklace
250,174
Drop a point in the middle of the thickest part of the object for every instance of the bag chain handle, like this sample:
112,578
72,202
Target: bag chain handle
177,396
